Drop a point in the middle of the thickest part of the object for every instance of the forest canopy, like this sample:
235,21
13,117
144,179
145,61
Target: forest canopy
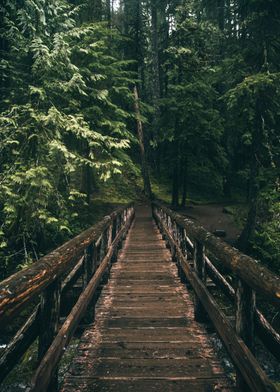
206,75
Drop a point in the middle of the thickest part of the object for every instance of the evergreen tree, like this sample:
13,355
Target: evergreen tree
65,96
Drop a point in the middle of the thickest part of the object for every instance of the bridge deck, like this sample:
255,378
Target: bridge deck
145,337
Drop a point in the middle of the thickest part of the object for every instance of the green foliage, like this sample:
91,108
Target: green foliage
66,99
192,118
67,108
267,241
256,100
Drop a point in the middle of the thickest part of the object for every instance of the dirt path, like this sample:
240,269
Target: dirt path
212,217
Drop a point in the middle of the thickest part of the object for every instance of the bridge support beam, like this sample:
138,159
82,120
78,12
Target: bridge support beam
49,324
199,265
244,323
89,269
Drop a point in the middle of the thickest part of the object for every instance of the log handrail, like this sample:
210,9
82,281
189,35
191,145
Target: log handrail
88,256
186,239
20,288
245,267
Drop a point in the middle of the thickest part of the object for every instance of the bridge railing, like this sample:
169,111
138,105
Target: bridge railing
86,258
192,248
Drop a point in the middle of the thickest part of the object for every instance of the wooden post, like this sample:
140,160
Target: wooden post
88,273
88,265
49,323
94,268
119,225
114,234
244,323
182,244
199,266
169,224
108,236
101,254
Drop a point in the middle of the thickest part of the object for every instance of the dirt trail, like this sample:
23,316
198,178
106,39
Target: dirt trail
212,217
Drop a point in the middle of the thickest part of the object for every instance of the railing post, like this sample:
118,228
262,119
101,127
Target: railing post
108,236
49,323
244,323
180,240
88,265
89,268
122,221
199,266
114,234
170,225
163,219
118,227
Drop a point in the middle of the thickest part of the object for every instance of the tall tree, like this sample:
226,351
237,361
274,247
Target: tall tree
65,97
144,163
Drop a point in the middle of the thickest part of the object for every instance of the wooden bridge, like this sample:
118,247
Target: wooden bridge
143,330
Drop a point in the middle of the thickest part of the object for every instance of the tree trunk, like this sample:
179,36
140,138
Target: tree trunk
243,242
108,13
221,14
133,29
227,183
163,34
144,164
185,175
249,228
176,187
87,177
93,11
155,60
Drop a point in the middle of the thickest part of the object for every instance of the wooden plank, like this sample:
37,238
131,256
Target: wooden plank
127,350
142,384
146,322
148,368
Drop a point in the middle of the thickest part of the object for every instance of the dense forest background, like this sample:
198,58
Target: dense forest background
194,83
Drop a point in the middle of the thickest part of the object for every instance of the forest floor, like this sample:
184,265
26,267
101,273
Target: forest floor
218,216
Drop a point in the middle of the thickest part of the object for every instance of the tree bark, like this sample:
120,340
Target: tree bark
249,228
221,14
175,187
155,59
108,13
243,242
144,164
185,180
